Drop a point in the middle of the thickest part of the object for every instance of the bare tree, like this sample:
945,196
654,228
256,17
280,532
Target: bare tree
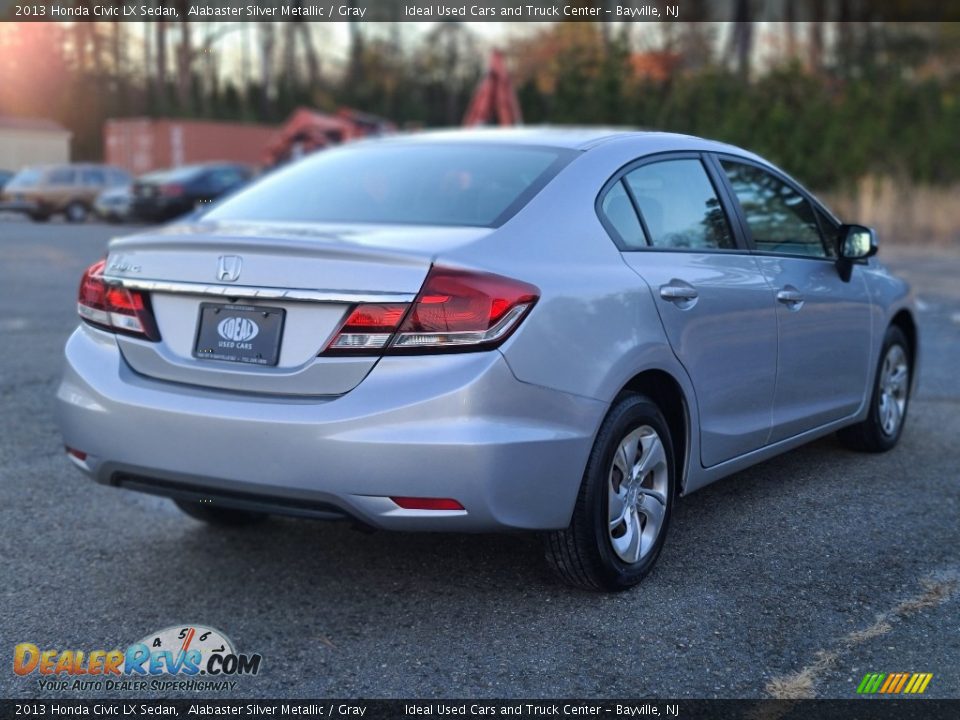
740,43
790,28
185,55
267,43
819,10
313,60
160,27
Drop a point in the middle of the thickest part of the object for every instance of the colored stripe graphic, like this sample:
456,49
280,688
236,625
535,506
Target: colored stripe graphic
903,679
894,683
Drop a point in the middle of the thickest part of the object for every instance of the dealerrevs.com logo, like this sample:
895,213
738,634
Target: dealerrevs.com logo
181,657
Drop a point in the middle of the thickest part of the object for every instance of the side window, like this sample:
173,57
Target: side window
679,206
223,179
117,177
93,176
62,176
780,219
618,209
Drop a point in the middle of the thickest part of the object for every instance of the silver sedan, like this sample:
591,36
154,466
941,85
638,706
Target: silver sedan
555,330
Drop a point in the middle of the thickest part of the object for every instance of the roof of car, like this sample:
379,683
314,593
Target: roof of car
570,137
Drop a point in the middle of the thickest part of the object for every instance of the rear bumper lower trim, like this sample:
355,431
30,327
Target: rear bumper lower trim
234,499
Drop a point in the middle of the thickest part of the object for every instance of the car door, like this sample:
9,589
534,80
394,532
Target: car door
61,185
824,321
672,226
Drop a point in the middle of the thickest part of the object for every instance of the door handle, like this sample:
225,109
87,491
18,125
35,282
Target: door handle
791,297
678,293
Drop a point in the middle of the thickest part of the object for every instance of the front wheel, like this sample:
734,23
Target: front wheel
623,509
219,515
881,429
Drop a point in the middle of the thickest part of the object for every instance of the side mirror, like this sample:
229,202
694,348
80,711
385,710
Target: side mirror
857,242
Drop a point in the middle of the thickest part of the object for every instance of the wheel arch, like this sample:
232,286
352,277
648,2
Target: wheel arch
667,393
904,320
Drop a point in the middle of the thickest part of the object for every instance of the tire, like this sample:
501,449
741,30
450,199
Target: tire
593,553
219,515
882,427
76,212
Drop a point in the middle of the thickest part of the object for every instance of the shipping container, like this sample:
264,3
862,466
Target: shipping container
144,144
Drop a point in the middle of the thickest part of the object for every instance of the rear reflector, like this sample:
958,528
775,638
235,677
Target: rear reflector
78,454
455,310
414,503
114,308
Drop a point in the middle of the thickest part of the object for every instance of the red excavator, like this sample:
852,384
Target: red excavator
495,101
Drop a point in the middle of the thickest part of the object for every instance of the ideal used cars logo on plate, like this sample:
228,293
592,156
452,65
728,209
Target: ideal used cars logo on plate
180,657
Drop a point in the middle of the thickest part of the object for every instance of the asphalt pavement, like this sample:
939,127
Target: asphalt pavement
794,578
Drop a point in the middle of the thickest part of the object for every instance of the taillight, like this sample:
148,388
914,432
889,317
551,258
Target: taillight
171,190
369,327
114,308
455,310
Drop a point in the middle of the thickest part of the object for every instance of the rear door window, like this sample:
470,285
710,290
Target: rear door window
62,176
93,176
679,206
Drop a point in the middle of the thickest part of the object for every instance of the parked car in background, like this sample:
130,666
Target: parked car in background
533,329
168,194
114,204
5,176
45,190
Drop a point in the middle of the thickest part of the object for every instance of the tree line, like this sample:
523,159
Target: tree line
829,100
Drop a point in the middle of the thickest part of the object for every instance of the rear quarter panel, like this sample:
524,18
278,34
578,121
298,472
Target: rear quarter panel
595,325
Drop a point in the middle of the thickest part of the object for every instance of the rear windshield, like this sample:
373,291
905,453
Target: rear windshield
442,184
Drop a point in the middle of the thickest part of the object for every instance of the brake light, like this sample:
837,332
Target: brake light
114,308
455,310
171,190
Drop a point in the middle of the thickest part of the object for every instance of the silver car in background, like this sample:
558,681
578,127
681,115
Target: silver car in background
557,330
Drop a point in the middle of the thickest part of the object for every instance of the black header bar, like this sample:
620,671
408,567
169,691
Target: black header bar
464,11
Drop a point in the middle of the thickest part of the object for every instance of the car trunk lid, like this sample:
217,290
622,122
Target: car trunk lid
309,276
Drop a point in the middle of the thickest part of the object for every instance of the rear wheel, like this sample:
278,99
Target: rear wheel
623,509
883,425
76,212
219,515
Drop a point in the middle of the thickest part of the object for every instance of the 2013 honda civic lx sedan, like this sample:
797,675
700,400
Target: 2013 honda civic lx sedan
559,330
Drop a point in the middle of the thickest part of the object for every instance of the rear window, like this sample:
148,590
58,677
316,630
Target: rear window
442,184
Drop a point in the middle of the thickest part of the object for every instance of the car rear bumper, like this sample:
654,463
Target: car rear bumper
455,426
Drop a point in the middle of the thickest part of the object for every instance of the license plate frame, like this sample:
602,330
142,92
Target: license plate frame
253,337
